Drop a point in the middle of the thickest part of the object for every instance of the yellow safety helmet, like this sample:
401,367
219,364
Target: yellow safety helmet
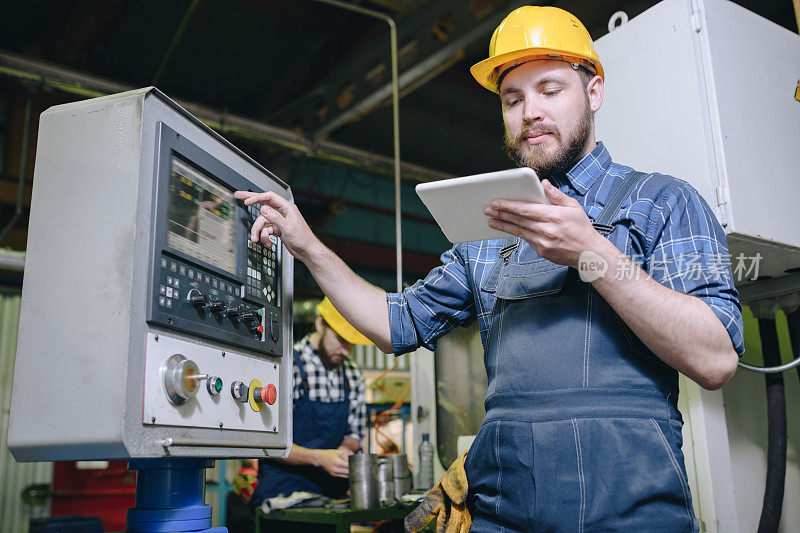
536,32
338,324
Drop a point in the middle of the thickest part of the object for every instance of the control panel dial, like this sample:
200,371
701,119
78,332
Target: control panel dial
181,378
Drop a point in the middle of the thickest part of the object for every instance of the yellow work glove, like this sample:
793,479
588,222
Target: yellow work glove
245,483
447,501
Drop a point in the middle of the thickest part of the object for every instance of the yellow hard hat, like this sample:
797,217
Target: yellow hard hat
536,32
338,324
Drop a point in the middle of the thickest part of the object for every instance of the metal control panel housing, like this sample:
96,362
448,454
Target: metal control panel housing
150,325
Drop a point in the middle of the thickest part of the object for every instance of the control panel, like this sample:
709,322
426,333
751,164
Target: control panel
197,386
183,346
208,278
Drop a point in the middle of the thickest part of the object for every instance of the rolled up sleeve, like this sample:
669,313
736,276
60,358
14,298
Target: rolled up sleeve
690,255
430,308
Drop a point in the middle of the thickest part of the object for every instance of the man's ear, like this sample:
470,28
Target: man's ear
595,92
319,324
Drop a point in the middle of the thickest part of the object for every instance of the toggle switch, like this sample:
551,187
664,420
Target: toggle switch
274,332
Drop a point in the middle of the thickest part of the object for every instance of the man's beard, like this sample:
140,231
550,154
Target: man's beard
566,154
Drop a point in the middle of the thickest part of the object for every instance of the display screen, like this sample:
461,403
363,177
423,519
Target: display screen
201,216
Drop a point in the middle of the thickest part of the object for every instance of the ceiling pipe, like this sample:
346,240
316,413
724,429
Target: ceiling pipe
85,85
175,40
395,122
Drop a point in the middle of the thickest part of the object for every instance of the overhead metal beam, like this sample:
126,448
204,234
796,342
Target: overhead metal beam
457,28
442,56
89,86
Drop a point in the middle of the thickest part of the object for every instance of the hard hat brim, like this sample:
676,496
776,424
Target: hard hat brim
351,334
485,73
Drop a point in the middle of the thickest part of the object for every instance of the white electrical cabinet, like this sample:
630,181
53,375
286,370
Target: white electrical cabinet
709,92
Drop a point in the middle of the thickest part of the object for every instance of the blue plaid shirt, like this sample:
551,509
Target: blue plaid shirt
673,235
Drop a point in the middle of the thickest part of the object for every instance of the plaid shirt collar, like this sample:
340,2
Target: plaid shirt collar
307,349
586,171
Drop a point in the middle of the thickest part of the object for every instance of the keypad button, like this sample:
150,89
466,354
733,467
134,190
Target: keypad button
207,279
169,280
176,283
182,270
191,274
169,292
214,283
162,290
169,304
161,301
173,266
176,294
163,262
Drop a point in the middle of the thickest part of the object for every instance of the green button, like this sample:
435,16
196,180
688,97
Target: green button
261,312
218,385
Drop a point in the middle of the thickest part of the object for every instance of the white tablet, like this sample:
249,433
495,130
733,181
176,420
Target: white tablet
457,204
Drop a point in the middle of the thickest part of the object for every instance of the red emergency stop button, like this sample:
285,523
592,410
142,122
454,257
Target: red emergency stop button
270,394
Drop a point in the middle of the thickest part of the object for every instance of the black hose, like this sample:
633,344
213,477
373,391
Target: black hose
776,433
793,320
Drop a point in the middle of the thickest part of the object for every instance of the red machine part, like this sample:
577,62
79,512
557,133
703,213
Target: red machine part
103,492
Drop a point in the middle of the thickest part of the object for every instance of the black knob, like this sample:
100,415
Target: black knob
273,329
250,317
233,312
217,306
198,300
239,391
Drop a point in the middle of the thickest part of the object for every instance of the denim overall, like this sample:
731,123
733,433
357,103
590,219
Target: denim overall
316,425
582,431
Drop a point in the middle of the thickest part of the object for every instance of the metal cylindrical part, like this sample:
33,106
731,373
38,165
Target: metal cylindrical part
402,475
385,481
363,481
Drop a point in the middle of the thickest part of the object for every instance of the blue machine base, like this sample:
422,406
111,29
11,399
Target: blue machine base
170,497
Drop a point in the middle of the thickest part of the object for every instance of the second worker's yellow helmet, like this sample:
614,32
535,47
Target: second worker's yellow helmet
338,323
536,32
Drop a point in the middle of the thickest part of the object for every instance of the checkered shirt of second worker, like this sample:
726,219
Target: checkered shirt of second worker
670,226
326,386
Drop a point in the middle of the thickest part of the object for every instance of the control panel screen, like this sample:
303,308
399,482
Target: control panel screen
201,216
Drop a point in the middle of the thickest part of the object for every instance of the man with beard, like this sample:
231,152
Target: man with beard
329,417
587,311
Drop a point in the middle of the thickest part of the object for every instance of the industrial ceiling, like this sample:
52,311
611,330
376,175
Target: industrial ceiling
315,77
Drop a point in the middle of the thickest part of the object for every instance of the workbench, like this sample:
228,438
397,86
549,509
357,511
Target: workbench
340,518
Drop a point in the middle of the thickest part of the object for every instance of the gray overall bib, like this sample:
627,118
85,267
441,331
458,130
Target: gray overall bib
582,432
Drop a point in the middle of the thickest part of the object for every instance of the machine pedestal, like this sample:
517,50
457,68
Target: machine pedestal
170,497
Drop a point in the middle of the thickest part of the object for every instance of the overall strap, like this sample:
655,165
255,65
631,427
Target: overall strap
345,380
603,222
301,368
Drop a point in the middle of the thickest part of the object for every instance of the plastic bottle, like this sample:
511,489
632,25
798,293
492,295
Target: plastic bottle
425,479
